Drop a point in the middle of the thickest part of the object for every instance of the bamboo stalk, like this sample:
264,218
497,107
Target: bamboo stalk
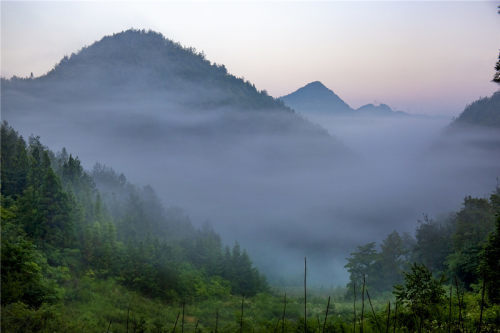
216,319
182,321
305,295
241,318
283,317
276,326
449,311
362,305
373,311
459,304
176,320
395,317
326,314
482,306
354,308
388,321
128,314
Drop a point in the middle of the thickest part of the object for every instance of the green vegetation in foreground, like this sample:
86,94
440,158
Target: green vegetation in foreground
90,252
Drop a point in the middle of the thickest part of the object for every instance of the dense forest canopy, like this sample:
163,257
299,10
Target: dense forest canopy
65,230
55,221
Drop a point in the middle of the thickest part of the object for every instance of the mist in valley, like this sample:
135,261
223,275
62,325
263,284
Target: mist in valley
283,184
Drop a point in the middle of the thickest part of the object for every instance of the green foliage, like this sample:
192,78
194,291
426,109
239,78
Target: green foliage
360,264
434,244
472,226
83,250
57,228
421,294
490,265
381,269
23,267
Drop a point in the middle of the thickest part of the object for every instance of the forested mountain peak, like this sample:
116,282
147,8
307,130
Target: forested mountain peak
142,61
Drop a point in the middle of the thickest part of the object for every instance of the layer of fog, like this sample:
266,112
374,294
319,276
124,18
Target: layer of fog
282,194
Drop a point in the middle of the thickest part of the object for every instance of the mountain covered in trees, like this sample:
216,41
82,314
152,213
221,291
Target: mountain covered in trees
145,72
485,112
61,223
316,97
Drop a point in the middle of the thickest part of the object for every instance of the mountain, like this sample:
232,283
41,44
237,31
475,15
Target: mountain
165,115
378,110
315,97
140,82
141,62
484,112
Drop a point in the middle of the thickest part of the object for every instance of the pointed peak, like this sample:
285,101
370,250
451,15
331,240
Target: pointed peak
315,84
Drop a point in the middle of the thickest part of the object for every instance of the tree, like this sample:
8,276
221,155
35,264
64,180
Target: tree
490,265
496,77
421,293
14,159
389,263
473,224
22,266
434,243
360,264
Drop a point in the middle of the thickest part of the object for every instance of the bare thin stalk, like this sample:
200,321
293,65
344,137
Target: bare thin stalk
362,305
128,314
482,306
176,320
196,326
459,304
109,326
283,316
354,308
182,321
241,317
449,310
305,295
373,311
216,319
326,314
395,317
388,321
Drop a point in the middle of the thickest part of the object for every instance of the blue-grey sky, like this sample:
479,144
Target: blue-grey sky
421,57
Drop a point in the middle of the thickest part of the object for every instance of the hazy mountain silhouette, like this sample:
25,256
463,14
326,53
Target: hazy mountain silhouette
143,75
315,97
378,110
137,61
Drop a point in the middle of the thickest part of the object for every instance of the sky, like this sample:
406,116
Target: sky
420,57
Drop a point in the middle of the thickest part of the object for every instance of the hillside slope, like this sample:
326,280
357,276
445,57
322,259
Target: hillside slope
483,112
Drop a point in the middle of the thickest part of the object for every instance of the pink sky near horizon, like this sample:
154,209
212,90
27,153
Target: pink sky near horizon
419,57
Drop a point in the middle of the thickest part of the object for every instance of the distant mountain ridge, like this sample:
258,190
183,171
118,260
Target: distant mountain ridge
136,88
316,97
